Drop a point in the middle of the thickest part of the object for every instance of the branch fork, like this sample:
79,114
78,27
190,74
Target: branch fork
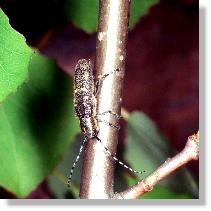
189,153
98,169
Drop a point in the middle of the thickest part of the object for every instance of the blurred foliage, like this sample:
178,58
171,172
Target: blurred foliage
147,149
36,127
138,9
84,14
160,192
14,58
58,180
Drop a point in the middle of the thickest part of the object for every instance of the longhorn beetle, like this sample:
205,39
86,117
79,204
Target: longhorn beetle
85,91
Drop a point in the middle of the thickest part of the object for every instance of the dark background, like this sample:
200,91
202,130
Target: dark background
162,70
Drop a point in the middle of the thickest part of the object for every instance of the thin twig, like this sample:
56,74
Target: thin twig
98,168
189,153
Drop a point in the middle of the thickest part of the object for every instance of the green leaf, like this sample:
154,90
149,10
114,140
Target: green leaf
138,9
36,126
84,14
147,149
14,58
57,182
160,192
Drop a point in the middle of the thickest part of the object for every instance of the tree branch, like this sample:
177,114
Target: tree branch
189,153
98,168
